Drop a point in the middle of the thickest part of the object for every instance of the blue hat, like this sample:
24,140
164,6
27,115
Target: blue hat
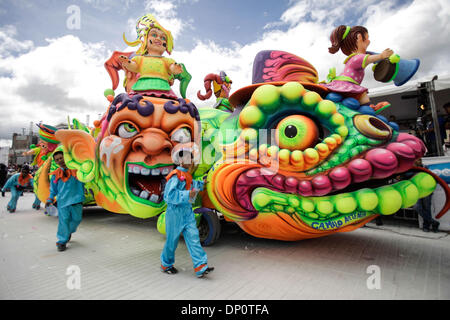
406,70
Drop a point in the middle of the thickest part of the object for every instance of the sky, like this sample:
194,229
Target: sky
52,52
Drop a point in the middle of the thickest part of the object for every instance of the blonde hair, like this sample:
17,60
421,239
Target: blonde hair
143,26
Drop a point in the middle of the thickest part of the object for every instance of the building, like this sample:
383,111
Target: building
20,144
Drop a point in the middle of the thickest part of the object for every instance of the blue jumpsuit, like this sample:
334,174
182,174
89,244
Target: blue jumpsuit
11,184
180,219
70,205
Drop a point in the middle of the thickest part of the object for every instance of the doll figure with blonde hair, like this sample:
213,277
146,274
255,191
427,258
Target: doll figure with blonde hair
353,42
155,73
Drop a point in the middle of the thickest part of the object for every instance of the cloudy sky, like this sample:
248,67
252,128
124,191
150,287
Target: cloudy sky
52,51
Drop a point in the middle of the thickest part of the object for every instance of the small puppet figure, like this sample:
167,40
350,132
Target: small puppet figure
47,144
222,86
353,42
155,73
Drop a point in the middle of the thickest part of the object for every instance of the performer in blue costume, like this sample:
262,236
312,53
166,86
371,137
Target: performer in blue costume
179,192
16,184
70,196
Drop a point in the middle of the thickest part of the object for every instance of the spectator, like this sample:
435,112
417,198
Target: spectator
444,124
423,207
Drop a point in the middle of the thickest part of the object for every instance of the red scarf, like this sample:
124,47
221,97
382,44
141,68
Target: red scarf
64,175
24,181
182,176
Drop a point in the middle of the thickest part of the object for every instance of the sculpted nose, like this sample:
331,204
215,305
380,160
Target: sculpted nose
152,143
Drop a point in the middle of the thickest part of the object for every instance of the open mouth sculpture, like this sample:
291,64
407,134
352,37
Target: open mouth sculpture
147,183
126,158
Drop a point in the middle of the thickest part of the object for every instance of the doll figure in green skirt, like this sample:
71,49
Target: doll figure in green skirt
156,73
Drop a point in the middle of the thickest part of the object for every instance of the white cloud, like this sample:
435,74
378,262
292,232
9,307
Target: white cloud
9,45
166,13
106,5
49,83
67,77
420,30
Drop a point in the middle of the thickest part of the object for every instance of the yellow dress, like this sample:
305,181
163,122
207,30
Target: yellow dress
154,73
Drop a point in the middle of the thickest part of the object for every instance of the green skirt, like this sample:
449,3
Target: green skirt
144,84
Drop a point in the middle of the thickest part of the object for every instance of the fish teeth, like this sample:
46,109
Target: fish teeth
145,171
155,172
135,191
165,171
154,198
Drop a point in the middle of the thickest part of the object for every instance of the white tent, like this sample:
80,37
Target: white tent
406,109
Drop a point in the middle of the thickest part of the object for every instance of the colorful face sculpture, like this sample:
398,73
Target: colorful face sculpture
293,161
126,166
299,166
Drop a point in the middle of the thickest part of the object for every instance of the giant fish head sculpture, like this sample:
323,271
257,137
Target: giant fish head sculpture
299,165
126,164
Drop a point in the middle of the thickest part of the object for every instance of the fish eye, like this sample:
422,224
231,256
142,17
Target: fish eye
127,130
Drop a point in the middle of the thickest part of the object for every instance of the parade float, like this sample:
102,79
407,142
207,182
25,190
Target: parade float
41,152
293,160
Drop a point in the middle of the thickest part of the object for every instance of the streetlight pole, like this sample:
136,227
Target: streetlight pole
437,131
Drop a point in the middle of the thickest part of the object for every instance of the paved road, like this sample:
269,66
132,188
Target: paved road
117,257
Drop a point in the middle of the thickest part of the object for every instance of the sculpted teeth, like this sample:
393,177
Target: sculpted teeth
137,169
406,193
144,194
158,173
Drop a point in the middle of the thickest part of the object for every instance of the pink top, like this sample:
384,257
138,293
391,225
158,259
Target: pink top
354,68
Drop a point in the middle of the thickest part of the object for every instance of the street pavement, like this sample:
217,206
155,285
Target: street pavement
114,256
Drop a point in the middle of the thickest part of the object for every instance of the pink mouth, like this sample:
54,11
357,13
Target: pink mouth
378,163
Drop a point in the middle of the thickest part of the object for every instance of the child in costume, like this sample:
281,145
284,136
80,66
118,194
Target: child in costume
17,183
353,42
70,192
222,85
156,73
179,192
